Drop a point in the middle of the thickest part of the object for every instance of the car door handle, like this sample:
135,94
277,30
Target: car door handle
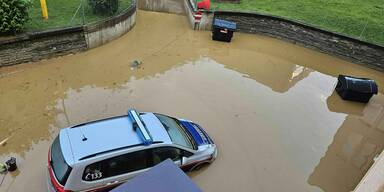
112,183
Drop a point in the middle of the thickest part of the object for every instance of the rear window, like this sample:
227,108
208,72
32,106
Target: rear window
59,166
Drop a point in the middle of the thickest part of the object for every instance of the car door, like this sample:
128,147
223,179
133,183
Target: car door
159,154
111,172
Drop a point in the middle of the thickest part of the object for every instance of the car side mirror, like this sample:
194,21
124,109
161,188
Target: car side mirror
183,160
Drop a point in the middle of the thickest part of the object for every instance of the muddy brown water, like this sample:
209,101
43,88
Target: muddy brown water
268,104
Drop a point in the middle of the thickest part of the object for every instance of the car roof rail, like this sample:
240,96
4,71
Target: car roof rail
117,149
139,126
96,121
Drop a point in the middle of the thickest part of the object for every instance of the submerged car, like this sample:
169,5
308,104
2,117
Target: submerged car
99,155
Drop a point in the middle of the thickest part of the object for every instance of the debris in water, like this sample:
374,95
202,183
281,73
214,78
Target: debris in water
135,63
11,164
356,89
4,142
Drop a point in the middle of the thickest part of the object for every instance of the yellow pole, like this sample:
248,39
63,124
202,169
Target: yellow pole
44,9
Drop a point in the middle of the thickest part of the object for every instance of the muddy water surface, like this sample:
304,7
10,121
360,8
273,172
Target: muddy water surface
269,105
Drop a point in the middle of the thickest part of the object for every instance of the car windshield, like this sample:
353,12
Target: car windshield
59,166
175,131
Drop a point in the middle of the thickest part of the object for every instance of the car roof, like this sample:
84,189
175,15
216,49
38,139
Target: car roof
107,135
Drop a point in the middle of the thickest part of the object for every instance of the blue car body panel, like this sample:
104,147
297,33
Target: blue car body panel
198,134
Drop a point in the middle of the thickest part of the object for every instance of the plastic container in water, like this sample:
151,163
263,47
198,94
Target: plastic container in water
356,89
11,164
222,30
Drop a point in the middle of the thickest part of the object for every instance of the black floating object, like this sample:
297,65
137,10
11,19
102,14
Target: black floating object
11,164
356,89
222,30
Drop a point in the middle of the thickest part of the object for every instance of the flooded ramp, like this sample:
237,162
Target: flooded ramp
269,105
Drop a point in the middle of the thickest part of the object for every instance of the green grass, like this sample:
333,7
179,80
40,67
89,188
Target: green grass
61,12
348,17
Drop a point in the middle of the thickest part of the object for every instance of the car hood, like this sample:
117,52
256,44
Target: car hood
198,134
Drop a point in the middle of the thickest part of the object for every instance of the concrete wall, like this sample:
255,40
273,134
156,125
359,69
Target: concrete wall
102,32
167,6
36,46
189,12
351,49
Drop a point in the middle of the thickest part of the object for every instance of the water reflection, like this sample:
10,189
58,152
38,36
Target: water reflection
356,143
277,73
